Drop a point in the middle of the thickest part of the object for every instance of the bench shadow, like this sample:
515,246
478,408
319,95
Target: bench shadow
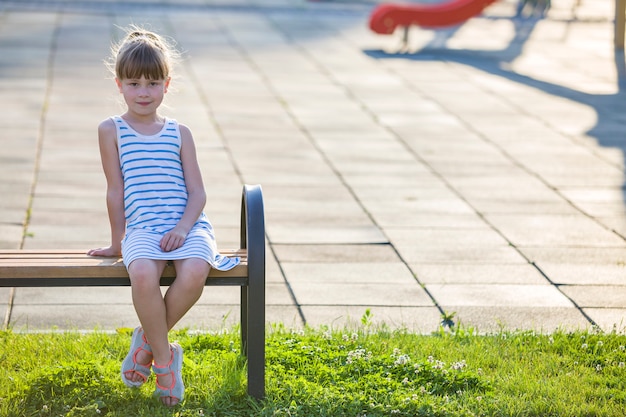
609,108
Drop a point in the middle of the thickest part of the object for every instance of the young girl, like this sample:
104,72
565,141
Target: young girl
155,199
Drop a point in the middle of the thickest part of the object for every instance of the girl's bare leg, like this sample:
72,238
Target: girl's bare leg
186,289
148,301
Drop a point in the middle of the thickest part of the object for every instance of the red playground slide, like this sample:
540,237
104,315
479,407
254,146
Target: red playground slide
387,17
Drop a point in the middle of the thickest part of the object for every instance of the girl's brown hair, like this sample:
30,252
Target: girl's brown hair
143,53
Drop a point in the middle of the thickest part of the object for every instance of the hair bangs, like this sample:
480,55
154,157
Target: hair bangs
139,59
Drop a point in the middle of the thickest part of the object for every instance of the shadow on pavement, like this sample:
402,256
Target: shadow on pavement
608,130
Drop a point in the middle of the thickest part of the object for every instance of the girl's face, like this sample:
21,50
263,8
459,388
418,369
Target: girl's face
143,96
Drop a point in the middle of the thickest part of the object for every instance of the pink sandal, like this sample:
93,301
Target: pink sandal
174,368
130,364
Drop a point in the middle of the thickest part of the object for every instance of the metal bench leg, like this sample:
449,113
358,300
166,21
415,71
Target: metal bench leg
253,296
244,321
256,337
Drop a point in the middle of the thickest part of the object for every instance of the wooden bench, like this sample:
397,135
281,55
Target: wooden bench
71,268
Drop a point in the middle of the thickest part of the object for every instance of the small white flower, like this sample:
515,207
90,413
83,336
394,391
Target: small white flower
402,360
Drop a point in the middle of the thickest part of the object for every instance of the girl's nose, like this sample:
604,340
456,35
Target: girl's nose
143,91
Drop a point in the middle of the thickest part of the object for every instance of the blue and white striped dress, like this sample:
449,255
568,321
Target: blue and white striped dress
155,197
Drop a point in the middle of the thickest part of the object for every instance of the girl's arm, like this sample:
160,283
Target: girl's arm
107,138
196,198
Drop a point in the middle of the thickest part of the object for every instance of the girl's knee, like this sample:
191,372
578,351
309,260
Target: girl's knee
192,267
144,273
192,273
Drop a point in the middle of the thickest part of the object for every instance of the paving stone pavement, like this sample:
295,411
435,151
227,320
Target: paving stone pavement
478,170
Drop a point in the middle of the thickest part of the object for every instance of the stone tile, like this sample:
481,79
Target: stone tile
11,235
398,218
349,273
5,299
478,274
73,316
367,179
277,294
325,235
554,230
419,206
497,295
596,296
433,237
523,207
599,202
608,319
273,273
460,255
423,320
78,296
95,203
341,294
614,222
214,318
509,318
576,255
480,245
584,274
335,253
65,236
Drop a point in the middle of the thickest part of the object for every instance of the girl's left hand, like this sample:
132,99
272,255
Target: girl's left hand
110,251
173,239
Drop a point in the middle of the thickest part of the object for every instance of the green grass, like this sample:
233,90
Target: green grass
327,373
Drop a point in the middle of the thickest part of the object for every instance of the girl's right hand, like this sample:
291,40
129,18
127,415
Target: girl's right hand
110,251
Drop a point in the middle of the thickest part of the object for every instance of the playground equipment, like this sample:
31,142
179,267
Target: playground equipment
387,17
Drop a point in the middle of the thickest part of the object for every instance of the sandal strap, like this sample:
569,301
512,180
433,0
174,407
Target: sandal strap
174,369
131,365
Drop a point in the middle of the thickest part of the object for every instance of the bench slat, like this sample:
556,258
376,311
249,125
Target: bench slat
26,268
78,254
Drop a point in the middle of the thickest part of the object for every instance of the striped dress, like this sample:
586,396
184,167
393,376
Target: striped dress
155,197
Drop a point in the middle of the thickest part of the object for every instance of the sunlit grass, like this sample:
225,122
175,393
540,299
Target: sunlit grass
320,372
